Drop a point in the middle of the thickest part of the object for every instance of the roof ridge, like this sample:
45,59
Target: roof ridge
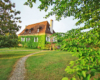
43,24
37,23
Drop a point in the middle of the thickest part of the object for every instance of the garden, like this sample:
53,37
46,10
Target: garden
79,55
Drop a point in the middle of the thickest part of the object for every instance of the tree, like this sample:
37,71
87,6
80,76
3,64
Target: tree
8,24
86,11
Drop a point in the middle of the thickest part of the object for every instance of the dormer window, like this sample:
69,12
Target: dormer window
26,30
40,27
38,30
31,28
30,31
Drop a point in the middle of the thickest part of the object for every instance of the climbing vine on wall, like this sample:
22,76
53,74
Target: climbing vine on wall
31,43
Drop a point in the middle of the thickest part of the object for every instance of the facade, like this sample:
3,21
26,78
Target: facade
37,35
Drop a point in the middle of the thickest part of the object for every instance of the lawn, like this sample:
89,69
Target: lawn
8,57
48,65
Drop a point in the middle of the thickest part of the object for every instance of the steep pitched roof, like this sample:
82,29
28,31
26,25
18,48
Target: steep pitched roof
42,26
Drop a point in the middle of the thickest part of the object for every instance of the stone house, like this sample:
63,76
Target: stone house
37,35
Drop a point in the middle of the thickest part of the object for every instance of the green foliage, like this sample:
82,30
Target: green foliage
31,43
87,12
65,78
82,42
88,63
48,42
42,40
9,40
8,24
73,78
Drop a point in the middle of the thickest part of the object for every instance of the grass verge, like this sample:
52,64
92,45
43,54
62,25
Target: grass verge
8,57
48,65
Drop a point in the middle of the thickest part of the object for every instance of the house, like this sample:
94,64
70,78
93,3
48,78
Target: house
37,35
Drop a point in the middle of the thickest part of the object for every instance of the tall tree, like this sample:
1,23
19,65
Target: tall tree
8,23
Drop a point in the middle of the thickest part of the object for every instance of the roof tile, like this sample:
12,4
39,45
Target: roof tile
44,28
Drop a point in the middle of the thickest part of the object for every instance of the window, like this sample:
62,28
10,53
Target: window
48,39
22,39
30,31
36,39
40,27
26,30
27,39
54,40
38,30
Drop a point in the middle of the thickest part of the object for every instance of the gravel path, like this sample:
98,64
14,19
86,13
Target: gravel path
19,71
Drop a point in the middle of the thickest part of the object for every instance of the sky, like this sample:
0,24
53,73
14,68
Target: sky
34,15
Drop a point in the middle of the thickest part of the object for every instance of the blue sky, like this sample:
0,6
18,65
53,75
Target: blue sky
33,15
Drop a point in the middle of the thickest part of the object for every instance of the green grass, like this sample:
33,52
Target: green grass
48,65
16,48
8,57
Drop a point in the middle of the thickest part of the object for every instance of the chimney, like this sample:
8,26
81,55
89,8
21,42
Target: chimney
51,26
25,26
